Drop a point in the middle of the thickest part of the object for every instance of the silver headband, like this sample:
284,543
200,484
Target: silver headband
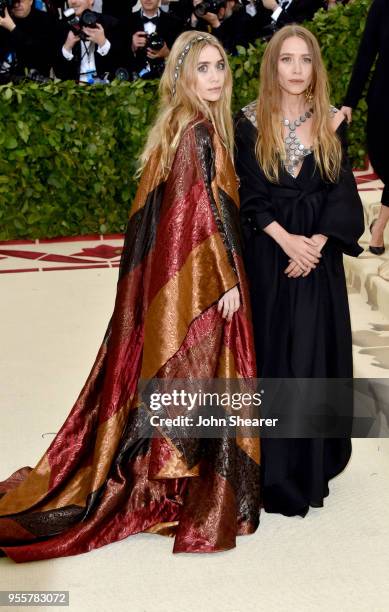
182,56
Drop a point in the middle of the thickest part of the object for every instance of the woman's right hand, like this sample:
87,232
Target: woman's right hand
347,111
229,303
304,251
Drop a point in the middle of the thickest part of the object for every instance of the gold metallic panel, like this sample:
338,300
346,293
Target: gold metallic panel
182,299
29,492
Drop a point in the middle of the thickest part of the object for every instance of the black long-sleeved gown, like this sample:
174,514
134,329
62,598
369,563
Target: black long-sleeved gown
301,326
374,46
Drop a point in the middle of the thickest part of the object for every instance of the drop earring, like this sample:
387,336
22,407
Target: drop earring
309,94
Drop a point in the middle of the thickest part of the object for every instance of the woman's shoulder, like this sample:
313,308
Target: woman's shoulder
247,115
245,123
250,112
197,137
201,127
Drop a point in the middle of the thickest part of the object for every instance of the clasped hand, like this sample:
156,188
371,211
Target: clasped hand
304,253
96,34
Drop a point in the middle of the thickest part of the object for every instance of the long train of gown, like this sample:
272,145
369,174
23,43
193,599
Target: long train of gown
102,478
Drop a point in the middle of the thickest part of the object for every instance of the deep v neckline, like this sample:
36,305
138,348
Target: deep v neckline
295,178
249,112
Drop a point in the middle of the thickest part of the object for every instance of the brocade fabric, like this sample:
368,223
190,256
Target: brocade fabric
102,479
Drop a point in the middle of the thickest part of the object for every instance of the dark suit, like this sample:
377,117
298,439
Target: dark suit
235,30
238,29
299,11
232,31
168,28
182,10
374,47
31,45
69,70
121,9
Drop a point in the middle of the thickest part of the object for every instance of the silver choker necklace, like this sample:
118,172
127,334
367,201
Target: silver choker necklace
294,149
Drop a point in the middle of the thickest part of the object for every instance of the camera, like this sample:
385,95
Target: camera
209,6
87,19
154,66
154,41
4,4
122,74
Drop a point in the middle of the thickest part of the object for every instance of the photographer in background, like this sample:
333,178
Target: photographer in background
94,53
152,34
26,40
225,19
284,12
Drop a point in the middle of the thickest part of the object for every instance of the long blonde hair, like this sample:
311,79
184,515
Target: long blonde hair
270,146
177,111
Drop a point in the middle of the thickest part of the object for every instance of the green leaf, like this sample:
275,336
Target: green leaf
10,143
68,153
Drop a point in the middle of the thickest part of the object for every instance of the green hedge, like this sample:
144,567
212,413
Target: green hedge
68,153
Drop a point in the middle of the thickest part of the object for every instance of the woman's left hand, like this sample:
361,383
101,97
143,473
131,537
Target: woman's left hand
293,270
229,303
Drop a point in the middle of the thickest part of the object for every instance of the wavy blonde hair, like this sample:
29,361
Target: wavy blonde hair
270,146
177,111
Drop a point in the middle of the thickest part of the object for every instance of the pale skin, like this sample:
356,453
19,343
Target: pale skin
271,5
294,76
210,79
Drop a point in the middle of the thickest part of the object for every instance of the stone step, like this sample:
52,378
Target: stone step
364,275
370,332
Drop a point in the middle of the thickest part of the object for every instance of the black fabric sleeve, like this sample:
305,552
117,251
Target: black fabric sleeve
226,217
342,219
366,55
256,210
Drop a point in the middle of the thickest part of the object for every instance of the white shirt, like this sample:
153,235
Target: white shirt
279,10
251,8
87,64
149,28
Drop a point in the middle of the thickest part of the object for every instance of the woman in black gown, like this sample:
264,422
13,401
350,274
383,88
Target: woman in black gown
374,46
300,212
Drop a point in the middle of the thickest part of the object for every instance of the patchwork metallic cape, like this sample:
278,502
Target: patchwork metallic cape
99,481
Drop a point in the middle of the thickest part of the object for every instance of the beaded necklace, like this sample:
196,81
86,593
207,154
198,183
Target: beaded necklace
295,151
